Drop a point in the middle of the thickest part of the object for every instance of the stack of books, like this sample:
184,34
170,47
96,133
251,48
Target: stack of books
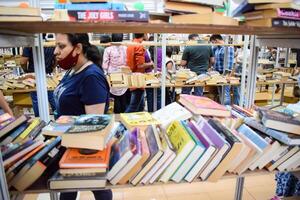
25,13
97,11
266,13
88,139
26,154
197,12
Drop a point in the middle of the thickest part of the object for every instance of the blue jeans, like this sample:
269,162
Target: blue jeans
35,105
198,91
227,97
236,94
136,101
150,99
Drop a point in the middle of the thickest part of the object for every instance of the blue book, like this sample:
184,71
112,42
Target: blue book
242,7
286,138
90,6
253,136
14,134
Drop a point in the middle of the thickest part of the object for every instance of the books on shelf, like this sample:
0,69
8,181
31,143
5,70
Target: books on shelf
12,125
185,8
88,132
274,22
203,106
273,13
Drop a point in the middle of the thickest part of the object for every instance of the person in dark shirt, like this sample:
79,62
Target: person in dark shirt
83,89
27,62
197,59
104,39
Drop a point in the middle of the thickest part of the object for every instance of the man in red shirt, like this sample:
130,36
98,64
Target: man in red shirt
136,62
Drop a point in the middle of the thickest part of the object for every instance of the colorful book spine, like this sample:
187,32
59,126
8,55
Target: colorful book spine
259,141
91,6
288,13
285,23
108,15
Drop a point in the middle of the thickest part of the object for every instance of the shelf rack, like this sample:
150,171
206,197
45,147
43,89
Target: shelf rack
13,34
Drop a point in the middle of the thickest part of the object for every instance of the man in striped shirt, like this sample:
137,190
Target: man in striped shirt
219,52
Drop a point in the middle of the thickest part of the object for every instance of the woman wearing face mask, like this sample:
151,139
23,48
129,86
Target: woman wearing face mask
83,89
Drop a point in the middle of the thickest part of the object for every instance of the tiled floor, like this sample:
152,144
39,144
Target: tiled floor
255,188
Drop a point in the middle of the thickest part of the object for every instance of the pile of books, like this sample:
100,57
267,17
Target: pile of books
97,11
197,12
27,81
26,154
21,13
88,139
267,13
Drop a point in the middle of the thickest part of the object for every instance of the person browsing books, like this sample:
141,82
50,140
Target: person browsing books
4,107
83,89
114,58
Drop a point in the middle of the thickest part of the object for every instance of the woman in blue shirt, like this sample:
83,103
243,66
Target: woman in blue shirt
83,89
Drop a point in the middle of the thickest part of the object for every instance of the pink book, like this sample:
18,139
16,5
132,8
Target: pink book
288,13
203,106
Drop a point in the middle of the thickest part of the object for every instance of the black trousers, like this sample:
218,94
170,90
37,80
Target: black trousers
121,102
98,194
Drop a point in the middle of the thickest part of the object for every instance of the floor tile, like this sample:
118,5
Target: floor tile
253,181
261,193
200,196
144,192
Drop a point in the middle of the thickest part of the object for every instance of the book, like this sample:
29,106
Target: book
121,153
163,163
13,18
18,11
16,148
281,151
273,13
192,158
242,7
12,136
282,157
280,121
139,120
203,106
46,158
183,145
236,147
211,3
88,132
210,150
21,153
145,152
220,143
185,8
277,5
170,113
5,117
82,172
108,15
14,124
274,22
207,18
286,164
134,160
155,150
35,122
55,129
73,158
59,182
91,6
286,138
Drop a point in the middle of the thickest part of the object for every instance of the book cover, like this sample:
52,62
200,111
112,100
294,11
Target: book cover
258,140
14,124
5,117
16,148
28,130
73,158
203,106
170,113
282,157
90,6
137,119
286,23
121,152
108,15
55,129
183,145
15,133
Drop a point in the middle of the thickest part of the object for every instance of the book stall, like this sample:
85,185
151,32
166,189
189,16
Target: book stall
190,139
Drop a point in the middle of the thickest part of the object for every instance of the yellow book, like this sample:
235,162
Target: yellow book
25,133
183,145
137,119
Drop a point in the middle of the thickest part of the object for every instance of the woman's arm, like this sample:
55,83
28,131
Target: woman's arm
95,109
4,105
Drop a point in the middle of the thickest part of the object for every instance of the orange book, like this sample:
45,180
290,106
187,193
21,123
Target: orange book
203,106
72,158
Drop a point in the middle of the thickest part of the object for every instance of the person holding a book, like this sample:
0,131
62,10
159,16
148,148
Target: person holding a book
219,52
136,62
114,58
198,59
83,89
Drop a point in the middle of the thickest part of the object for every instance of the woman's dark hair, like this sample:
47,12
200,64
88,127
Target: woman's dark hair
215,37
105,39
117,37
90,51
138,35
192,36
169,51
